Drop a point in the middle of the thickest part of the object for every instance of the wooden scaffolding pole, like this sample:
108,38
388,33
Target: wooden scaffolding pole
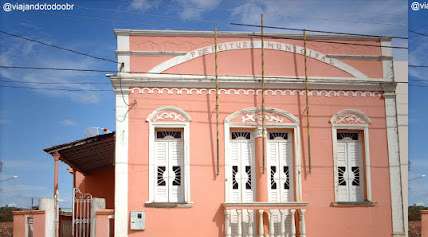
263,90
216,104
308,132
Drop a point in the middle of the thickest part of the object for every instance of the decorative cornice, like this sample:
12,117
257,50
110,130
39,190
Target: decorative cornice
195,91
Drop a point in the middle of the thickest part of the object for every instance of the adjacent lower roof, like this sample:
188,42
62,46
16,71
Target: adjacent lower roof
88,154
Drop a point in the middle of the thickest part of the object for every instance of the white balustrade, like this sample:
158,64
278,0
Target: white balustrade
281,222
239,213
284,214
271,223
227,227
302,223
250,222
261,225
293,223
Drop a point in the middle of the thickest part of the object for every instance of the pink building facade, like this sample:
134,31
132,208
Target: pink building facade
233,134
238,135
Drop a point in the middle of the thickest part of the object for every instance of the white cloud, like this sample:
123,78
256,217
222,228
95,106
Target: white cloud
187,9
361,16
193,9
68,122
143,4
24,53
14,166
418,184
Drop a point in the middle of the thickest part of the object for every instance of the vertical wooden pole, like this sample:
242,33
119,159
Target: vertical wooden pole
216,104
308,131
263,90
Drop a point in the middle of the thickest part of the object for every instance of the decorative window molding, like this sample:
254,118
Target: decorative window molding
352,125
350,117
169,123
250,119
168,114
253,117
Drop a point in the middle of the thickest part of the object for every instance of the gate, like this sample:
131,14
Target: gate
81,216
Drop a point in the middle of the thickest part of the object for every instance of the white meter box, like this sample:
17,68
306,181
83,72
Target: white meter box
137,220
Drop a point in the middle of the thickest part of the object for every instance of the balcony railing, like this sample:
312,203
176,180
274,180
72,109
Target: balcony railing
265,219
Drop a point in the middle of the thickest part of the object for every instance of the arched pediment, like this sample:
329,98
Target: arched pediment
350,117
270,45
168,114
253,117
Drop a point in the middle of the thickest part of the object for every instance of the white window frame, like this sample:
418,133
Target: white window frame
294,127
360,125
183,124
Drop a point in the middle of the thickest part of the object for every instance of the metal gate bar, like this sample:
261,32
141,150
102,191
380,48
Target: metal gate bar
81,216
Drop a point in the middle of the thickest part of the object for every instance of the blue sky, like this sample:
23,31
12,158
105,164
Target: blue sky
31,120
418,114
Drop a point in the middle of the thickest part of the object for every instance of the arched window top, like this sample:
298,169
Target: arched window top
253,116
350,117
168,114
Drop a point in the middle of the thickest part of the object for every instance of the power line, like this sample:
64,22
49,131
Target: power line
56,88
56,83
418,66
330,42
142,72
319,31
58,69
57,47
418,33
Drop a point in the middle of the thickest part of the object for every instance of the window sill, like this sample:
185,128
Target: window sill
168,204
353,204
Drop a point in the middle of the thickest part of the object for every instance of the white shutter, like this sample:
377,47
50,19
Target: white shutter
247,171
349,168
161,168
273,171
175,182
241,173
285,169
280,170
355,174
342,192
234,172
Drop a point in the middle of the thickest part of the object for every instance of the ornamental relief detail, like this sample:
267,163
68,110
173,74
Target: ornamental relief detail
168,116
349,119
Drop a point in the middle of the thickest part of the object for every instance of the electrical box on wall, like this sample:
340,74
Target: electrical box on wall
137,220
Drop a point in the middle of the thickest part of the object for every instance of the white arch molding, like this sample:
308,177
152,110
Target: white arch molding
274,118
272,45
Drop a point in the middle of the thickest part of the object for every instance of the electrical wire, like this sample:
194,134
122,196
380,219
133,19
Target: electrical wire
56,88
330,42
418,33
57,47
320,31
56,83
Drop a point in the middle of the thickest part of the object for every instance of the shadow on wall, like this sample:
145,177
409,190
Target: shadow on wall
219,220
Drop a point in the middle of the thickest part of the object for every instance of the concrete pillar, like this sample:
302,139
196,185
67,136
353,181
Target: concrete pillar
424,223
96,204
48,205
56,157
